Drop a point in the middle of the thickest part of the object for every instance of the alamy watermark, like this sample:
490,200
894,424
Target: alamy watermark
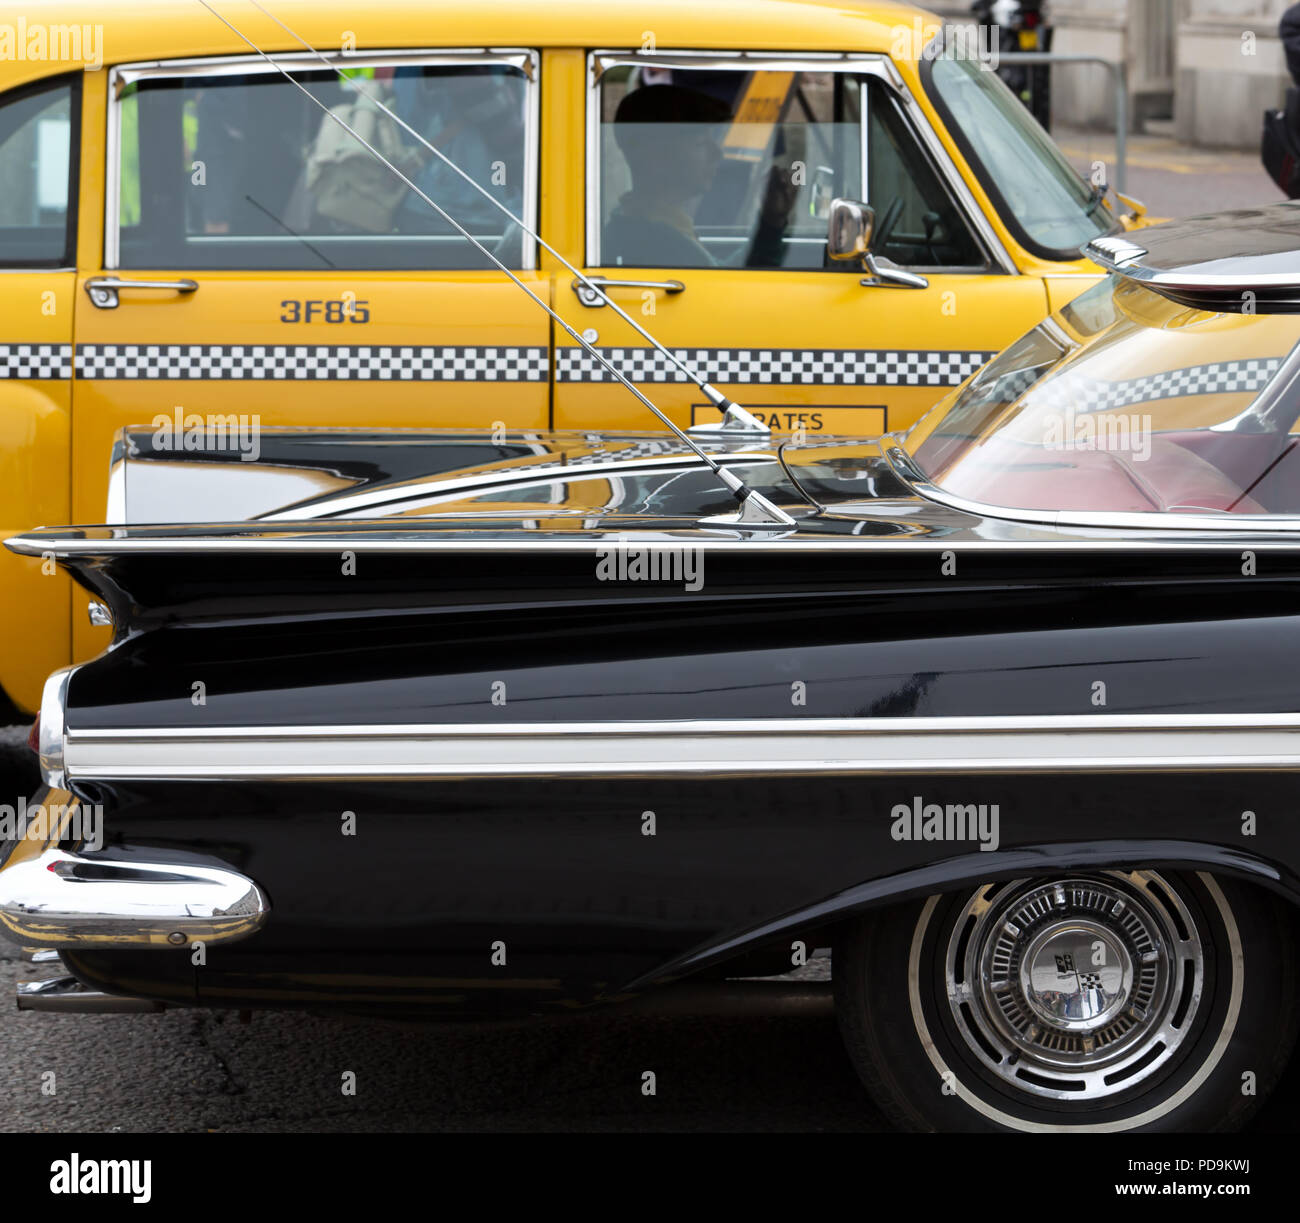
1129,433
37,40
211,433
922,821
624,562
928,40
83,822
126,1177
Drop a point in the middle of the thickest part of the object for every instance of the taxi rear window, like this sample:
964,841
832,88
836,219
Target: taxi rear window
37,131
241,170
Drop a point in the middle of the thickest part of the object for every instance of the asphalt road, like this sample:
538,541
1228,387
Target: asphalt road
194,1072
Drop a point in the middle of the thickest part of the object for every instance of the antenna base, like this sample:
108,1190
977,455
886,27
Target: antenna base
735,421
756,511
734,418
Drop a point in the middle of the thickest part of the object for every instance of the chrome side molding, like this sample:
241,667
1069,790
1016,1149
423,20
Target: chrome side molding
1058,743
70,901
67,995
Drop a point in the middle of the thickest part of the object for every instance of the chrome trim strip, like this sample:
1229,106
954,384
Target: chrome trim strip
66,900
560,472
67,995
1274,409
907,470
957,186
51,734
657,539
720,748
525,60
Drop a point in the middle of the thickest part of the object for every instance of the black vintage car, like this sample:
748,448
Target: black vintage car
1005,711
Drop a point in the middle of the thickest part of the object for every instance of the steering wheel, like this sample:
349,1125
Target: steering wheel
886,224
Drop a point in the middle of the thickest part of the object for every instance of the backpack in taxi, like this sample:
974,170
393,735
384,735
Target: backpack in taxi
348,184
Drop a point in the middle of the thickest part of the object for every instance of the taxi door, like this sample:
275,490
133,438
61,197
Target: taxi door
709,183
38,143
260,267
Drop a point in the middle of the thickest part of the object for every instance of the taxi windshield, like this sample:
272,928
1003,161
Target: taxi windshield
1126,402
1040,196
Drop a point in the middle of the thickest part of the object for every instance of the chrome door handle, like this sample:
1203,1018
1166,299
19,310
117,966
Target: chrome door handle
588,298
103,290
883,272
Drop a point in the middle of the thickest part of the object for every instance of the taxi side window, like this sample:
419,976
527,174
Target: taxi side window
724,167
37,134
918,224
242,171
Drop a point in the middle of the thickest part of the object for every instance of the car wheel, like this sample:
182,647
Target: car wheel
1119,1000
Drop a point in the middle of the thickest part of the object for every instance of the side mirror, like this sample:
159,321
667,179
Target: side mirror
849,230
849,225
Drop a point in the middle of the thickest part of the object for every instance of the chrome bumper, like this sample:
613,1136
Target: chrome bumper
63,900
67,996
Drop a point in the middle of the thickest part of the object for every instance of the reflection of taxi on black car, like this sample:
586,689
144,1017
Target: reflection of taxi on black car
183,233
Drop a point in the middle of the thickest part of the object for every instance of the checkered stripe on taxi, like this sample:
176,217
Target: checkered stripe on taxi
1220,378
821,366
35,361
313,362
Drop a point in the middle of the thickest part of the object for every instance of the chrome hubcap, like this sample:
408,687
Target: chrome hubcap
1078,988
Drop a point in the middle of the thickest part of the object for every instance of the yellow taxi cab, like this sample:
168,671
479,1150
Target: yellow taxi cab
185,236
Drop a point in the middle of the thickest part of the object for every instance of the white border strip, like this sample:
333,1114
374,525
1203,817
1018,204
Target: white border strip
1104,743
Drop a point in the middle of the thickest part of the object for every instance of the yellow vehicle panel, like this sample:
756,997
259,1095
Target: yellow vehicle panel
318,334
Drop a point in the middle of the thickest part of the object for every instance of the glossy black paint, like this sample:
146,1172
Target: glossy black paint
877,603
420,638
406,912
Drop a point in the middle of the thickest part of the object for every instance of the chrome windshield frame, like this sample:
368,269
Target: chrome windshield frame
906,469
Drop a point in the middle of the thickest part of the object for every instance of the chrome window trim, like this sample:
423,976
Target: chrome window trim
875,64
722,539
864,149
561,473
906,469
722,747
524,59
1274,409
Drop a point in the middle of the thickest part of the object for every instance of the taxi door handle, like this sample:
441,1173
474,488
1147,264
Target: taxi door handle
103,290
588,298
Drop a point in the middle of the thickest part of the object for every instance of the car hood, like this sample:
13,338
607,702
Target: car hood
289,476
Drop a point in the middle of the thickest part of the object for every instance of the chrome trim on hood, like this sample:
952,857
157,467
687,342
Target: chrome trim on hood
558,471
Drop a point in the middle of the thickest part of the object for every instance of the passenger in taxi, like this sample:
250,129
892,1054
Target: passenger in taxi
671,139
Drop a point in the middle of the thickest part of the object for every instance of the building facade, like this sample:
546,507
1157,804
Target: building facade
1210,66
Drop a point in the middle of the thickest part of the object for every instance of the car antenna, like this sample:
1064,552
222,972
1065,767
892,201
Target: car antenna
734,417
755,510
